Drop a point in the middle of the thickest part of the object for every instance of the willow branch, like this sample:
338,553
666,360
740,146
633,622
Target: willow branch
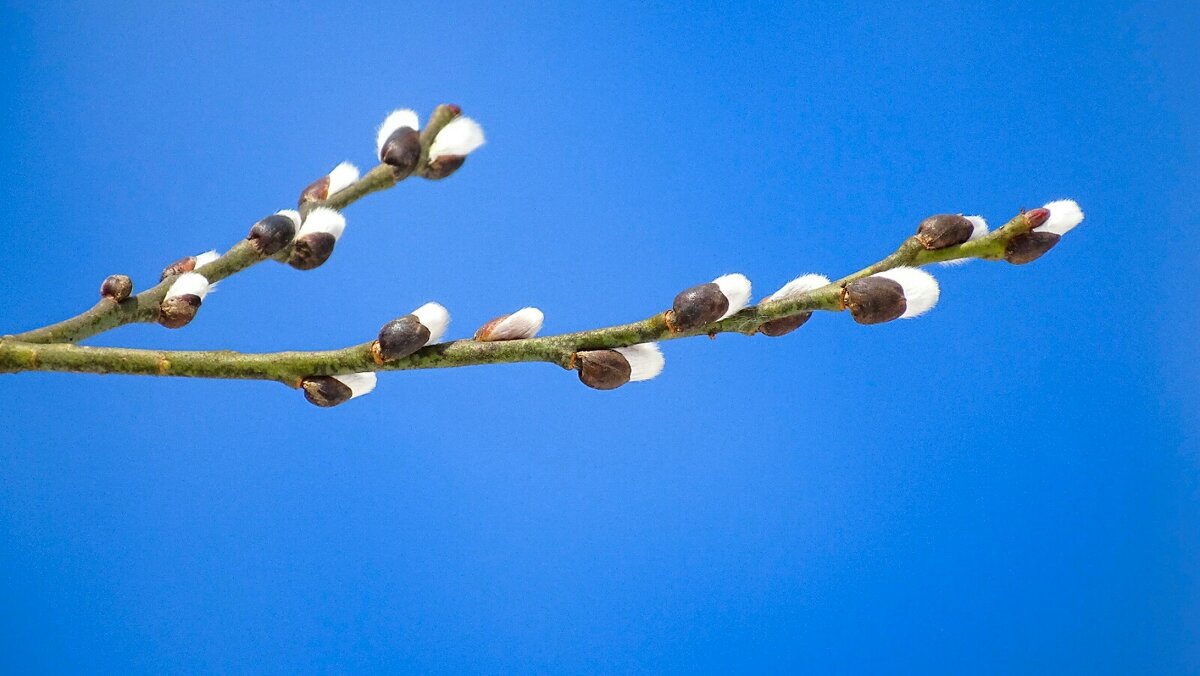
109,314
18,354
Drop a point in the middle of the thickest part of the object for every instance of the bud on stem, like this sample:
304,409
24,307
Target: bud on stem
459,138
183,300
707,303
270,235
1047,225
944,230
793,289
326,391
610,369
524,323
398,142
188,264
899,293
330,184
116,287
317,237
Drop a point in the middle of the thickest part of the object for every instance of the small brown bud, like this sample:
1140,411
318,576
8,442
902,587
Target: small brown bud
603,369
402,150
444,166
698,306
178,311
944,230
400,338
1029,247
874,300
784,326
1037,217
185,264
312,250
272,233
116,287
325,391
317,191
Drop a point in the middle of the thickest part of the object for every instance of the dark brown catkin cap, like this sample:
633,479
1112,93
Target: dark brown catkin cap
444,166
317,191
784,326
271,234
400,338
402,151
1029,247
178,311
602,369
943,230
325,391
698,306
312,250
874,300
116,287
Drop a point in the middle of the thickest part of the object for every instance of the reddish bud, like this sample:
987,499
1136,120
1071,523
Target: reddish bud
1037,217
185,264
116,287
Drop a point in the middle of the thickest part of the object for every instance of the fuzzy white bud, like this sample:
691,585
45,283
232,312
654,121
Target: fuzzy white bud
524,323
645,360
460,137
190,283
397,119
359,383
1064,216
920,289
291,214
736,288
323,219
341,176
205,258
435,318
797,287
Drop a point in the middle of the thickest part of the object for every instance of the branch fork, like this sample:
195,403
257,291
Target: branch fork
605,358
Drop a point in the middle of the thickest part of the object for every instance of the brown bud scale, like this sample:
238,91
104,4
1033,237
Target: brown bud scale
1029,247
325,391
444,166
271,234
603,369
784,326
401,337
874,300
312,250
178,311
185,264
698,306
944,230
317,191
402,151
116,287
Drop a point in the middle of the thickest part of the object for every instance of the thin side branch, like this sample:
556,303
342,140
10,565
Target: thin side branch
143,307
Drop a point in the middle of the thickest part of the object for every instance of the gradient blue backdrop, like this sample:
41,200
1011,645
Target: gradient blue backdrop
1007,485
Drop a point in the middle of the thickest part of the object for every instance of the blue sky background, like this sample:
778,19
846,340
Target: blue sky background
1006,485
